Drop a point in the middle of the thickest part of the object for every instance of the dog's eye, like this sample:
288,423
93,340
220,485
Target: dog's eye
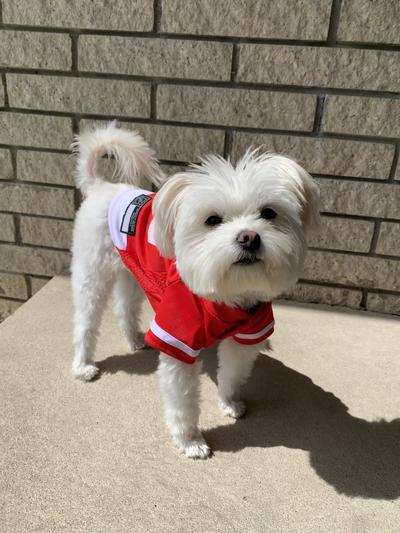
268,214
213,220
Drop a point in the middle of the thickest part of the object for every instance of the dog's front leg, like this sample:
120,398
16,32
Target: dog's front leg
235,364
179,383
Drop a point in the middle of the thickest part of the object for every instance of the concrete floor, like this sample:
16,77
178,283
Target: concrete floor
319,450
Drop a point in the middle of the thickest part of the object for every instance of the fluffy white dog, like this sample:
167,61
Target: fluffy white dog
211,249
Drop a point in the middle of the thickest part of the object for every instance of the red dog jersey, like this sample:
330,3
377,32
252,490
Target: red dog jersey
184,323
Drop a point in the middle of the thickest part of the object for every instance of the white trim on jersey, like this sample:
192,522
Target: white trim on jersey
257,335
172,341
116,212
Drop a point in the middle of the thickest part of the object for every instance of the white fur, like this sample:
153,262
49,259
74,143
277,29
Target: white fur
205,256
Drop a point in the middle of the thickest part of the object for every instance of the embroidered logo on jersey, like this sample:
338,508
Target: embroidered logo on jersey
128,224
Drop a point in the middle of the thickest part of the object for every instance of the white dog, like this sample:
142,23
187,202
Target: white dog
211,249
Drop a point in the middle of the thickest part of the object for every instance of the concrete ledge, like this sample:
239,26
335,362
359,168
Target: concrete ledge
317,452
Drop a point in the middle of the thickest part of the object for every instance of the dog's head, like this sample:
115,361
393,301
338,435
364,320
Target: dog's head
237,231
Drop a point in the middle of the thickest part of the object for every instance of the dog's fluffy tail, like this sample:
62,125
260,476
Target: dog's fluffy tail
135,161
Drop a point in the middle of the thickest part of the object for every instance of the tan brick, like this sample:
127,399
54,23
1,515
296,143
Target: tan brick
362,116
173,142
305,292
46,232
13,286
291,19
347,269
129,15
389,238
320,66
45,167
26,49
6,169
343,234
7,308
384,303
79,95
172,169
7,230
32,260
236,107
325,156
37,200
37,284
360,198
155,57
35,130
2,94
375,21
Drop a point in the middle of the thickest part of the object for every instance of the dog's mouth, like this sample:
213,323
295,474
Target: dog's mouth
247,260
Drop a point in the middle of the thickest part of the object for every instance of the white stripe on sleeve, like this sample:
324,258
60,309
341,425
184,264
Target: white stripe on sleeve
172,341
257,335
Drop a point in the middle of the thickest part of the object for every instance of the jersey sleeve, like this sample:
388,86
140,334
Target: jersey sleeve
258,330
178,327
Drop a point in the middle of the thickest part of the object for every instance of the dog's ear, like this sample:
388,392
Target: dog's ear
306,189
165,211
310,200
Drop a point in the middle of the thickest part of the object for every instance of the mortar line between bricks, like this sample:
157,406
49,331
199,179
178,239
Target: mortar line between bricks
354,179
13,156
15,222
319,111
347,286
35,247
37,184
235,63
222,84
28,285
334,21
173,163
75,124
18,238
199,125
45,217
364,298
157,14
33,215
353,253
360,217
28,148
1,14
15,273
5,90
228,142
375,237
153,101
370,45
10,299
74,52
393,170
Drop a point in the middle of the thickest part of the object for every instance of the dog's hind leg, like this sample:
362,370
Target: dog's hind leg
128,298
91,286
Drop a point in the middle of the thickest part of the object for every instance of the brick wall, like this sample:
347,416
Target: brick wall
316,79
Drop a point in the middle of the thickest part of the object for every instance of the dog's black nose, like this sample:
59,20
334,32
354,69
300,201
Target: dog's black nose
249,240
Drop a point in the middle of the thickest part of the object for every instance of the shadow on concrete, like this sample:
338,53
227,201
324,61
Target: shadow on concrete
285,408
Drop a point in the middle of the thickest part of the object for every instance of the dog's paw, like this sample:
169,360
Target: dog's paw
197,449
234,409
194,448
85,372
